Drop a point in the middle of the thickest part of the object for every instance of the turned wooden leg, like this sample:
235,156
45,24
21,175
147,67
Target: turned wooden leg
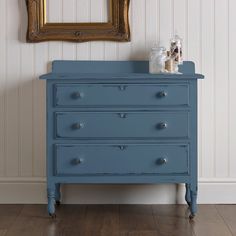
51,200
187,194
58,195
193,205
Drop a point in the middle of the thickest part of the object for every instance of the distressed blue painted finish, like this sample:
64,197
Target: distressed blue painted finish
121,159
121,125
123,95
112,122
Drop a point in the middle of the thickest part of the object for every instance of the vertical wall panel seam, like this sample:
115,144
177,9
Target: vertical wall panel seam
5,115
103,19
159,36
117,52
158,18
4,96
76,19
229,101
200,99
62,19
62,11
132,25
90,45
116,46
173,17
186,29
214,86
145,23
19,100
48,52
48,45
18,108
45,118
33,101
132,16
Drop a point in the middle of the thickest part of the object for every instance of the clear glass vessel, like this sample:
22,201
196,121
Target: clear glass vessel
176,49
157,60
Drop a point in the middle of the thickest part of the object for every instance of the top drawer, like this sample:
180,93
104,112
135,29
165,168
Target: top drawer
96,95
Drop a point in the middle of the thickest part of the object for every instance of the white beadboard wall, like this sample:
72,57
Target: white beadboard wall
209,31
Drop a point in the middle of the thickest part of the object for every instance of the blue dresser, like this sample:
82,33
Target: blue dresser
113,122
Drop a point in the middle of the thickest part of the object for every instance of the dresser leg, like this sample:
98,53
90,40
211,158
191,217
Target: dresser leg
193,205
51,201
187,194
58,195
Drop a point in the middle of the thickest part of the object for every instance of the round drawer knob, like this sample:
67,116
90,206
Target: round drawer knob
77,161
77,126
162,94
77,95
162,161
162,125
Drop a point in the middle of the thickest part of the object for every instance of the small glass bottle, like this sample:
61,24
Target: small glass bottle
176,49
157,60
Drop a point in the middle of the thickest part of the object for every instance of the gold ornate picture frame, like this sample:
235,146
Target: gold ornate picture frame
116,29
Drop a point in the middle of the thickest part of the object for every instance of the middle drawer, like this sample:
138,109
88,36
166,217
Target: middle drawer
118,125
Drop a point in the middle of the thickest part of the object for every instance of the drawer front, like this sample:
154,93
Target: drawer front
121,125
115,160
96,95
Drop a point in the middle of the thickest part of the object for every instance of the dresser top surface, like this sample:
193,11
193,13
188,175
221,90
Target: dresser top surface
115,70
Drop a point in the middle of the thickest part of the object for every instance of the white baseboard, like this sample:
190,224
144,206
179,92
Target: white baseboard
33,191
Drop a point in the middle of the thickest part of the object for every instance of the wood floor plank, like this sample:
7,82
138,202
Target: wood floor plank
115,220
34,211
180,211
68,216
34,221
3,232
70,220
10,209
228,212
172,220
28,226
136,218
8,214
209,223
87,233
104,218
140,233
90,220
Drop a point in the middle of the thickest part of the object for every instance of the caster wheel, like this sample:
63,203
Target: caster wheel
191,217
58,203
53,216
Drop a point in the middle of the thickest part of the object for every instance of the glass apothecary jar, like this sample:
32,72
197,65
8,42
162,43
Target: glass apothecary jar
176,49
157,60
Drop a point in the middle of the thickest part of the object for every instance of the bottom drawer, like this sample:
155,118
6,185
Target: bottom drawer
121,159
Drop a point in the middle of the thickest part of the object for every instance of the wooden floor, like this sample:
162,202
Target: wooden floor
117,220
